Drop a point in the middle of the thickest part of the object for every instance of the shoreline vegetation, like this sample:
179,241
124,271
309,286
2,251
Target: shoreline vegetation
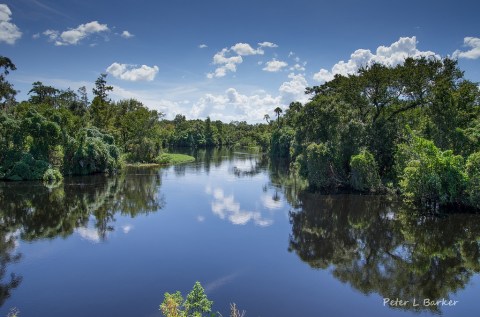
411,129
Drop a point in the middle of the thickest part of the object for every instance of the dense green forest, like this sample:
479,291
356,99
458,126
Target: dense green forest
60,132
412,129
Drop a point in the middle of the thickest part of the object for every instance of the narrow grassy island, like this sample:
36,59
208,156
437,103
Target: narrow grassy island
173,159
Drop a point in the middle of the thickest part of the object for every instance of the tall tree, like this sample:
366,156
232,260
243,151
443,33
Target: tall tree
7,93
101,89
267,117
278,111
42,94
82,95
101,110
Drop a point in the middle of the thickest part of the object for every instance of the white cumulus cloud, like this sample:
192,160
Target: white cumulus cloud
387,55
74,36
294,89
323,75
473,53
202,46
130,73
9,32
126,35
267,44
228,58
298,67
244,49
274,65
227,63
51,34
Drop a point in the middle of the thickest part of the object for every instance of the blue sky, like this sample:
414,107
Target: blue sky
230,60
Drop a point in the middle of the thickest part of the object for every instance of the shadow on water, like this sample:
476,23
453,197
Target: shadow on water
30,211
381,246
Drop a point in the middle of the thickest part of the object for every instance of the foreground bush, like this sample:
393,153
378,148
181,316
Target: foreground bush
195,305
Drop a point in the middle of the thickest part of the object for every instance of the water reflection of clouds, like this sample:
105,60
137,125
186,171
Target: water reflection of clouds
13,236
92,234
226,207
127,228
89,234
271,203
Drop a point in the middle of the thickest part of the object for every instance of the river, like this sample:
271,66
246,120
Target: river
239,224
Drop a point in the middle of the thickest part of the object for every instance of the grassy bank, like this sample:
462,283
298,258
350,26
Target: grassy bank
166,159
173,158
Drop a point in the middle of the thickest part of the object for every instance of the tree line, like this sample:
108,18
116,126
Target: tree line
60,132
412,128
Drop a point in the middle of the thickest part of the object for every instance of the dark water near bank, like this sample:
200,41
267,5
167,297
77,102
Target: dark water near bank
111,246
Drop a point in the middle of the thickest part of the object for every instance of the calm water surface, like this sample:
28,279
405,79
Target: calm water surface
111,246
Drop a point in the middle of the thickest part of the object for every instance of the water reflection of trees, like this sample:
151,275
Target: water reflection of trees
381,247
39,212
8,282
30,211
286,180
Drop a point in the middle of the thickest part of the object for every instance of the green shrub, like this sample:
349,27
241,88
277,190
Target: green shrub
281,141
429,175
364,172
473,185
27,168
142,150
91,152
52,175
317,166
